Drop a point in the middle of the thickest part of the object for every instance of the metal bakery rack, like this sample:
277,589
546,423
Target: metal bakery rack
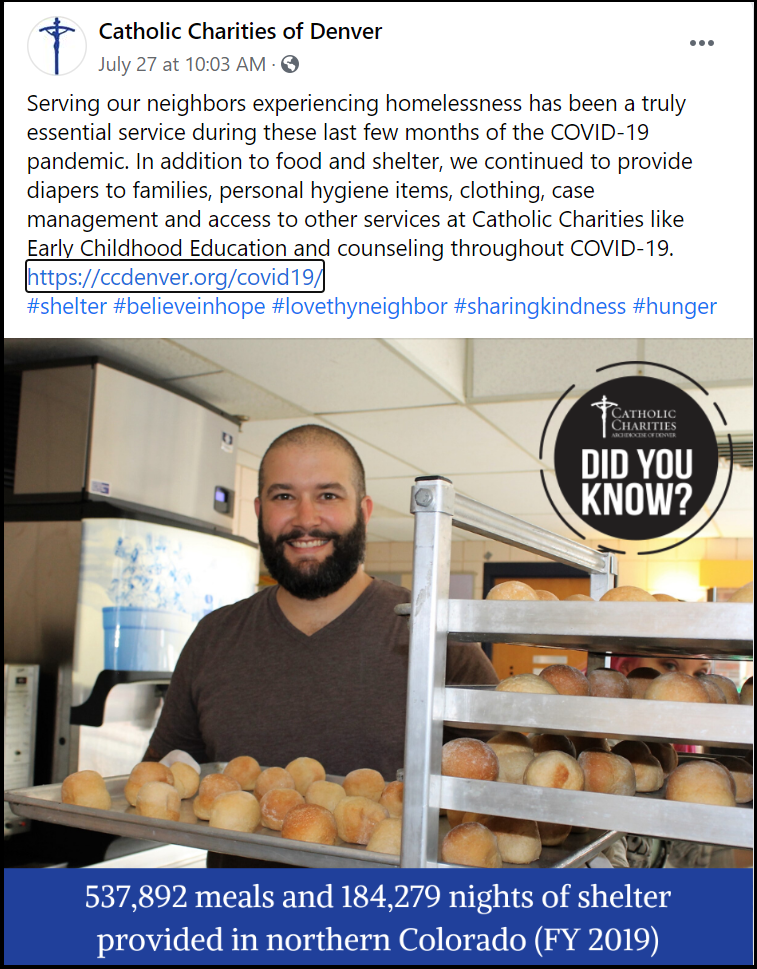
630,628
716,629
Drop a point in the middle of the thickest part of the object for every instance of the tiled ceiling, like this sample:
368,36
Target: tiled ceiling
471,409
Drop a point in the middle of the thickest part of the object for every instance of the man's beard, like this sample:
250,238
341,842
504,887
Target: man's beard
313,579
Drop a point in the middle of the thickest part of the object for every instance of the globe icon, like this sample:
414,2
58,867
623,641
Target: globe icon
290,64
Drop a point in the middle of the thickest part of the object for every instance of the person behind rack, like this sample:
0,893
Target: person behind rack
317,665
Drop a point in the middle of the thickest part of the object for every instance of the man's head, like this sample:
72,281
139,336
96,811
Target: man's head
312,511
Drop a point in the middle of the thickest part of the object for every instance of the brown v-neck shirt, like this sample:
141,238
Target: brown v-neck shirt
249,682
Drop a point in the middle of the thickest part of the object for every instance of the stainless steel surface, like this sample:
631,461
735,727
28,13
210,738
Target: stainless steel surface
577,849
20,690
53,430
648,814
594,716
472,516
155,448
426,675
641,628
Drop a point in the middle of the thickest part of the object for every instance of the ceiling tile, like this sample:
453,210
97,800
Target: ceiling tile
736,403
325,375
393,529
735,524
740,493
524,420
515,494
441,440
393,493
237,396
705,360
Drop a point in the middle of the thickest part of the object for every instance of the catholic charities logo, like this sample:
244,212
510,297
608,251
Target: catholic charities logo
635,421
57,45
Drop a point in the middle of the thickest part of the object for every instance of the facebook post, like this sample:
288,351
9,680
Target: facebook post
378,482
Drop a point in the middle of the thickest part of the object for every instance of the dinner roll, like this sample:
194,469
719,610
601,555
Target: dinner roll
364,783
312,823
525,683
677,687
455,818
518,839
607,773
555,769
714,692
728,687
543,596
357,817
609,683
386,837
509,742
326,794
186,779
392,798
746,696
512,590
467,757
567,680
664,597
470,816
666,754
305,770
744,594
648,769
638,680
741,771
627,593
235,811
542,742
276,804
210,787
512,767
155,799
244,769
590,743
471,844
702,782
552,834
141,774
272,778
87,789
578,597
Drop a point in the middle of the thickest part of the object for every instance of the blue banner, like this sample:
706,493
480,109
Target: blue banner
391,917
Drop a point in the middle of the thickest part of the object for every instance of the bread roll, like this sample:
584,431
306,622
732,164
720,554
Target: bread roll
142,774
276,804
235,811
518,839
392,798
312,823
741,771
513,590
364,783
159,800
186,780
567,680
87,789
466,757
728,687
386,837
509,742
542,742
543,596
609,683
664,597
326,794
305,770
272,778
744,594
555,769
476,816
244,769
627,593
525,683
666,754
701,782
512,767
678,688
714,692
357,817
471,844
607,773
578,597
552,834
455,818
210,787
590,743
746,696
648,769
639,680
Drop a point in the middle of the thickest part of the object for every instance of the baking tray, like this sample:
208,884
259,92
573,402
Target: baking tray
44,804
